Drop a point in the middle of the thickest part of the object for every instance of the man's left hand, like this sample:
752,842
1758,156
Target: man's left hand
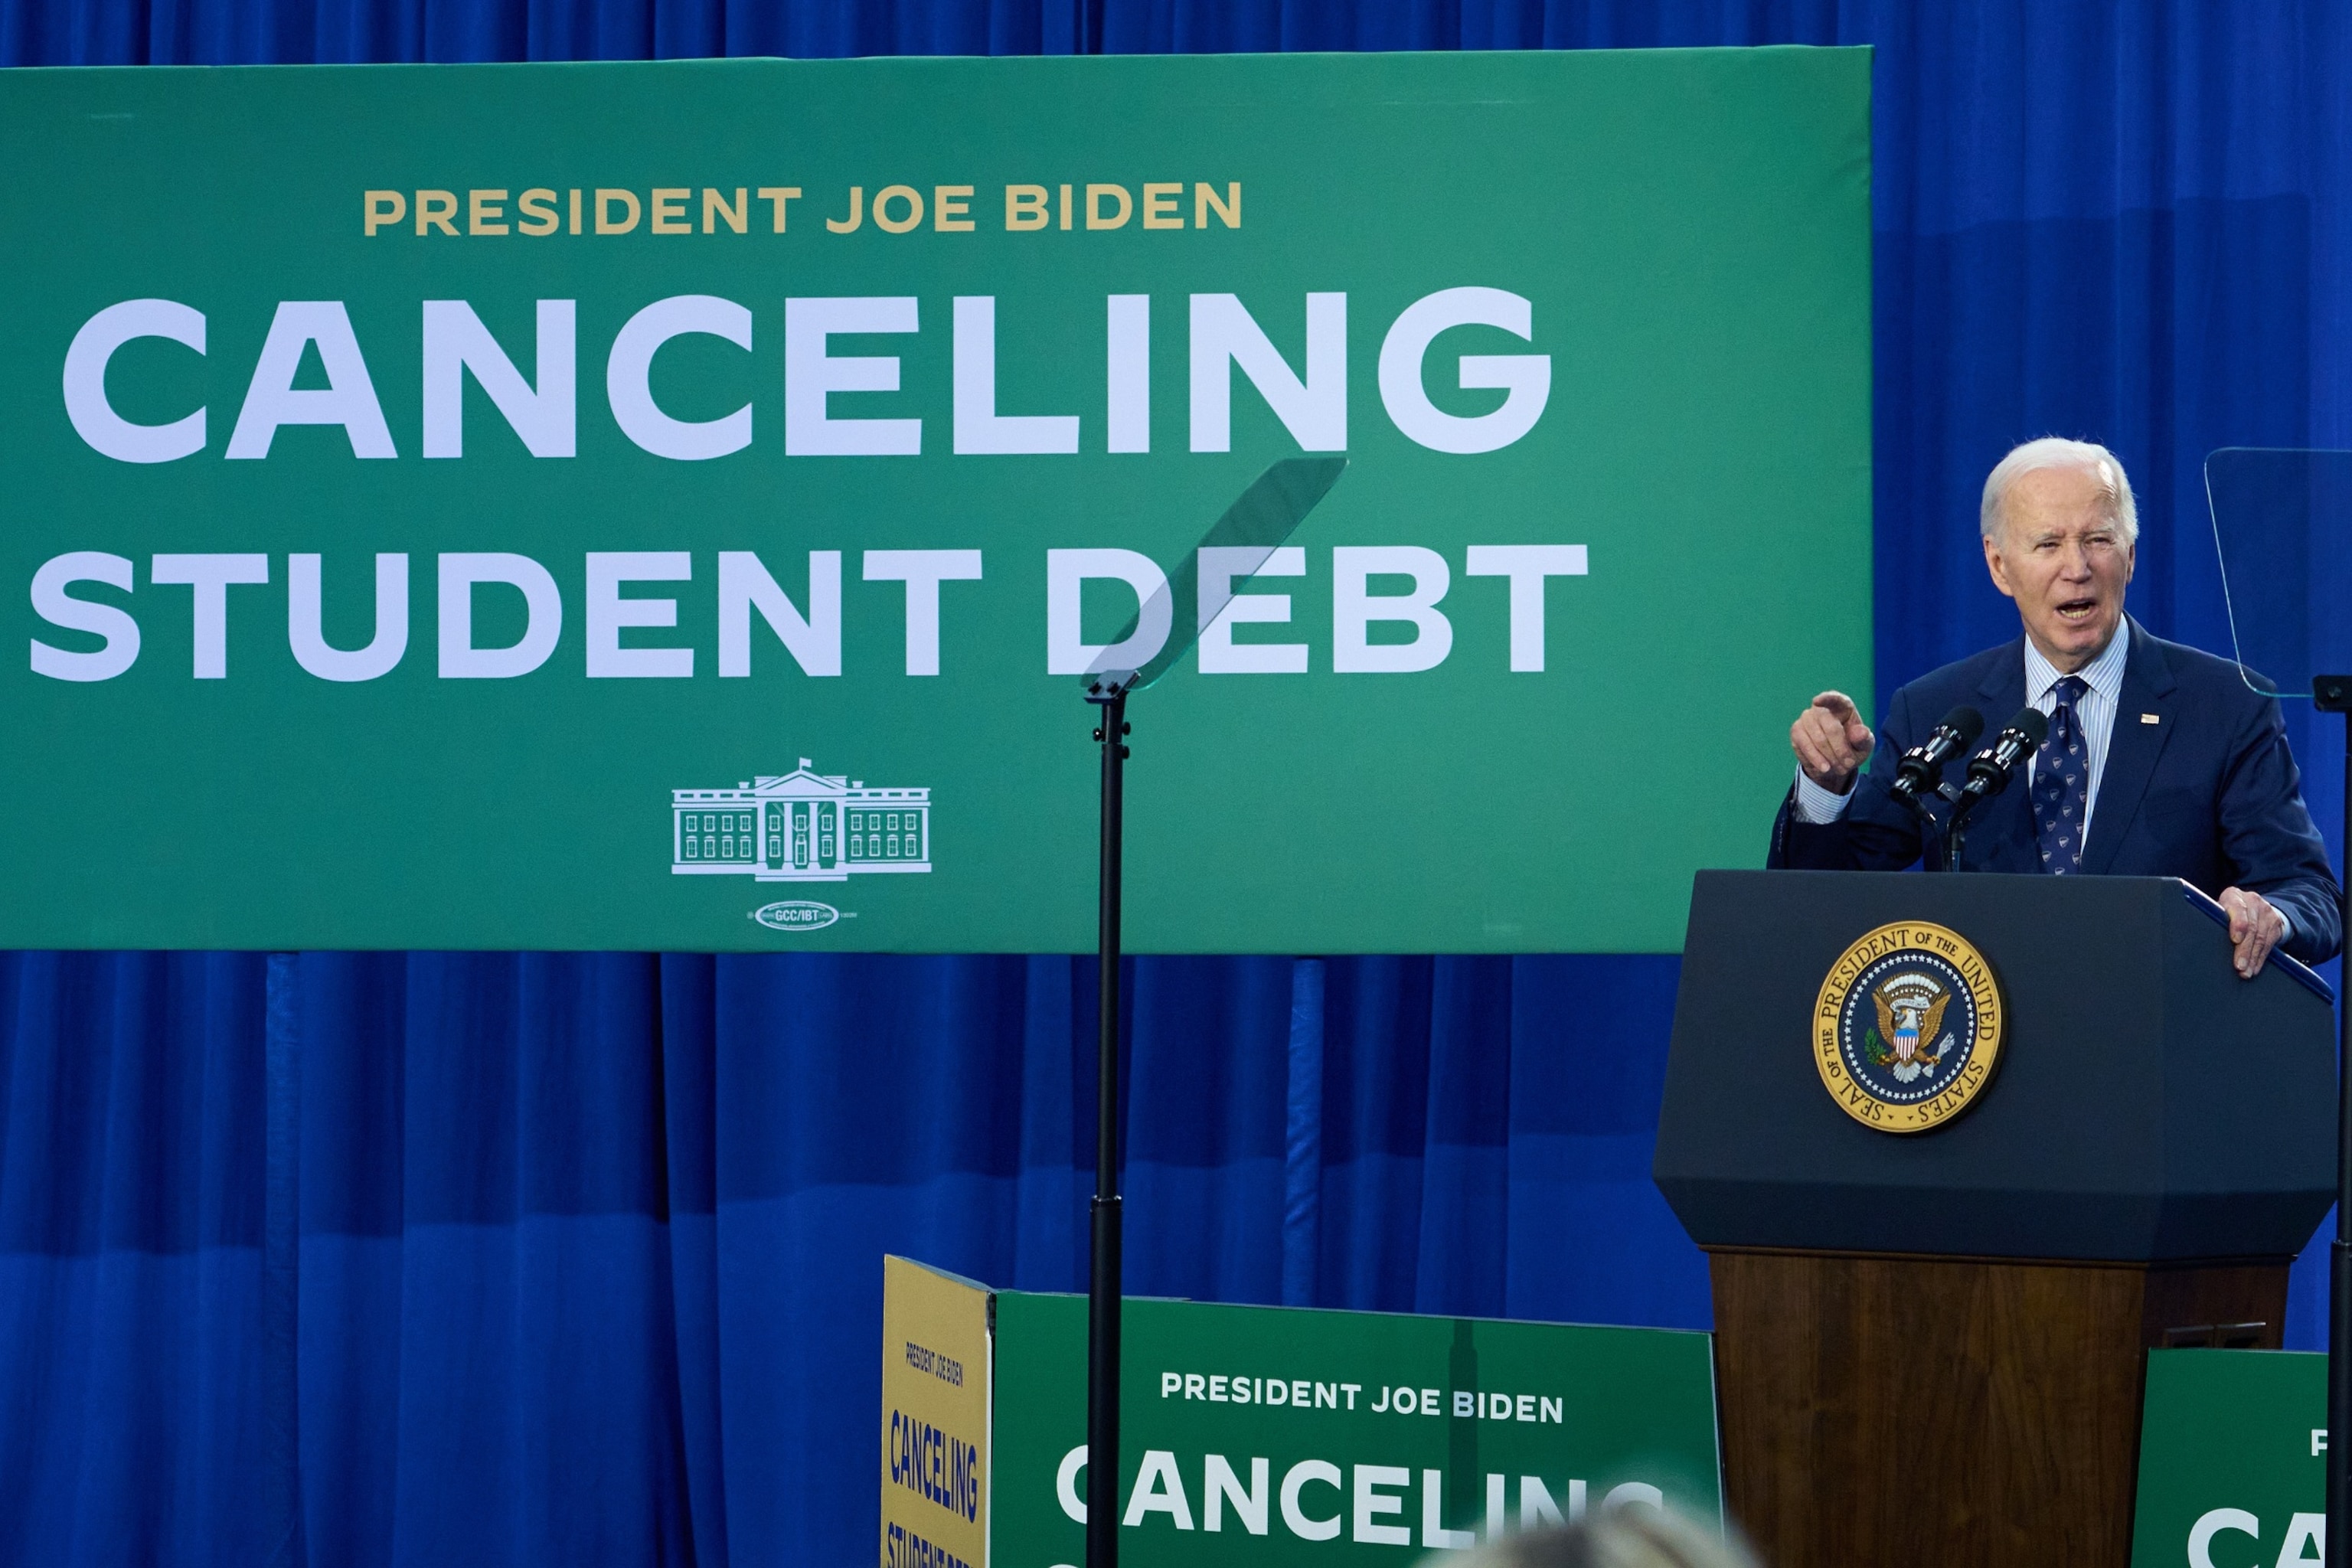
2256,928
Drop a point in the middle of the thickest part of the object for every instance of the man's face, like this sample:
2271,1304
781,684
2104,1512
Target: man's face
2060,554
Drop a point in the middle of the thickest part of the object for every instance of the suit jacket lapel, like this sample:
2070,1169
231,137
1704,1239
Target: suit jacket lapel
2132,748
2000,836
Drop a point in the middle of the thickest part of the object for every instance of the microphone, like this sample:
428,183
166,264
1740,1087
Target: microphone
1989,769
1923,764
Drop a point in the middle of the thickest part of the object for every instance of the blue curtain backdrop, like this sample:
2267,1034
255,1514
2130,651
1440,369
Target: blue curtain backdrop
502,1258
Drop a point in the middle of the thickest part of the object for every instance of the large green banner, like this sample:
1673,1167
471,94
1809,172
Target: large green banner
665,506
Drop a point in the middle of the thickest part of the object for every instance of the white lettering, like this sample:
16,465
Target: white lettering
922,571
628,372
303,633
978,426
1525,378
1302,1524
608,612
1433,1534
348,400
1354,609
744,585
1159,1490
1221,609
812,375
1066,651
543,623
455,341
209,576
94,418
1314,410
1526,565
1066,1484
2210,1524
59,608
1129,373
1372,1503
1220,1485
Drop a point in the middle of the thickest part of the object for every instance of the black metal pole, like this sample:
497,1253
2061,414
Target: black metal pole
2339,1274
1103,1278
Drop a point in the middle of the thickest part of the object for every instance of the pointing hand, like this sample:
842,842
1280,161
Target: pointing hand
1832,743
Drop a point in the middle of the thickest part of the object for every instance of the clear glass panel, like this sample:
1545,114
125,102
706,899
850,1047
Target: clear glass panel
2283,535
1265,515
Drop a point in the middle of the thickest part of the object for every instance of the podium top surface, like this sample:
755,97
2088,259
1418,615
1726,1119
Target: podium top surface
2147,1104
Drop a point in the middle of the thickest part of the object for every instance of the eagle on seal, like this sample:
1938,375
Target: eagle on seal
1910,1014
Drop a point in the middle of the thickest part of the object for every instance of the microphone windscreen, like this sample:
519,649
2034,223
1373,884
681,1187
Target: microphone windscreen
2032,723
1966,724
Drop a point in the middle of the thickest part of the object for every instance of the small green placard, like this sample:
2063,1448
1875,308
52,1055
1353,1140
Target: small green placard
1269,1435
2231,1473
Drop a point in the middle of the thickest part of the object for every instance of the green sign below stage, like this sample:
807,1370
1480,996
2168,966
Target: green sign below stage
664,506
1269,1435
2233,1472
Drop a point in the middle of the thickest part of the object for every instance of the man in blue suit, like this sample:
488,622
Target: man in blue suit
2161,761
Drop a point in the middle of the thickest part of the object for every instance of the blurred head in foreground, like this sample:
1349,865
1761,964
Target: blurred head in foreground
1620,1538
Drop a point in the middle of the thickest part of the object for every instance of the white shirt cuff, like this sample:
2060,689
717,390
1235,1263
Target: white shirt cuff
1817,805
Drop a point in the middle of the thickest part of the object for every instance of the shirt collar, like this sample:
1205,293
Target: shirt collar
2103,675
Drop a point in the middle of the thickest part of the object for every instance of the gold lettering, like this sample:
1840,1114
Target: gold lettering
776,197
1097,196
906,194
1025,207
715,207
382,207
856,213
1160,206
606,201
535,211
670,209
486,212
1205,196
949,205
436,208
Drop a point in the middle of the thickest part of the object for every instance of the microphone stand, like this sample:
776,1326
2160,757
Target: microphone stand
1262,517
1955,831
2333,694
1937,850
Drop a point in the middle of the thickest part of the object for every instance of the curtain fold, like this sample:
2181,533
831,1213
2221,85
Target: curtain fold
517,1258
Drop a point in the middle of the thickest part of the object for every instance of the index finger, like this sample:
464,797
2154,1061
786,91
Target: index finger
1838,705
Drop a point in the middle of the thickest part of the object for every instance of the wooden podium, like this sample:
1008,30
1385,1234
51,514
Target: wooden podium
1930,1347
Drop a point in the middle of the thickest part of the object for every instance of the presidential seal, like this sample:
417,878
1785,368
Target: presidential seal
1907,1029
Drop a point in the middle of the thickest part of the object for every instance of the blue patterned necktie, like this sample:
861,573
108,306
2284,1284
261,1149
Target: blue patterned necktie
2061,783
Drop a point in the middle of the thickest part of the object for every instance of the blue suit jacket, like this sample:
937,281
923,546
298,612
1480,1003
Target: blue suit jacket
2208,793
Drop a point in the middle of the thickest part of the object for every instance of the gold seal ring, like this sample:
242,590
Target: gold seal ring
1908,1027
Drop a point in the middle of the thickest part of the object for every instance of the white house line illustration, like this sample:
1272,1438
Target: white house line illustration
800,827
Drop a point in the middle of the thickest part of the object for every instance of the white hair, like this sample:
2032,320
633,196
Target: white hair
2057,452
1616,1537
